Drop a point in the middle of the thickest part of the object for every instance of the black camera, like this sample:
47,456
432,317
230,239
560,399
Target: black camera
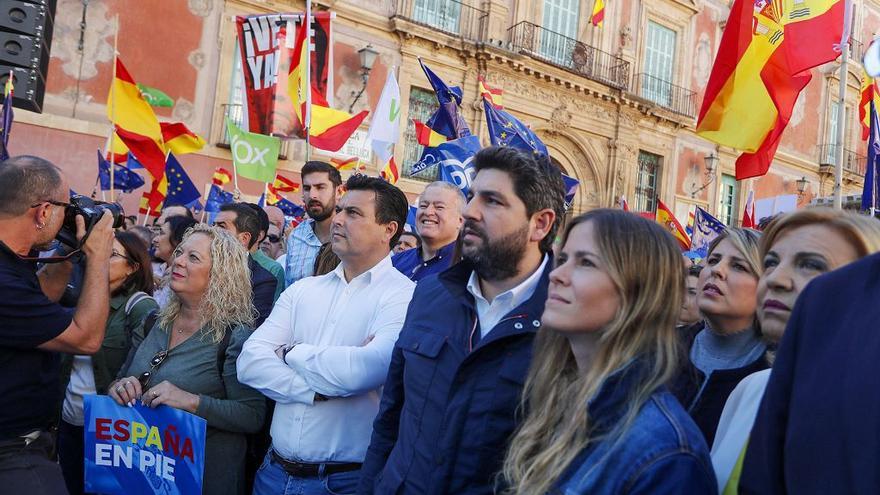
91,211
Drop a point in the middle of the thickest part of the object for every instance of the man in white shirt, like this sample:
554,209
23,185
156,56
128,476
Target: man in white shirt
324,351
457,372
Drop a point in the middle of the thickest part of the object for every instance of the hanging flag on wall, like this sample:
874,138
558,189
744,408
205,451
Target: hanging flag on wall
598,15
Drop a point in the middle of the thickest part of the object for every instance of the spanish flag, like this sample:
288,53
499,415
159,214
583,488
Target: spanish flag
390,173
180,140
428,137
128,110
598,13
493,95
353,163
283,184
665,218
329,128
868,94
221,177
762,65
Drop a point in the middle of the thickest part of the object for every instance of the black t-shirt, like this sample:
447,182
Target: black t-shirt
29,386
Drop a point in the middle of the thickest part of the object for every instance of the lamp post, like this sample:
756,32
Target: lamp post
368,56
801,186
711,161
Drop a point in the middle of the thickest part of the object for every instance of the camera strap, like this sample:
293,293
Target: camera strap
73,256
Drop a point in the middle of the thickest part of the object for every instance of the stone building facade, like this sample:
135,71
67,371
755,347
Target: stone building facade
616,105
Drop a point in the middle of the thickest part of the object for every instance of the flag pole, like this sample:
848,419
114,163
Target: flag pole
113,109
841,106
307,24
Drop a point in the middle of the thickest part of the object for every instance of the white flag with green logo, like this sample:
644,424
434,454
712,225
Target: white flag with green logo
385,126
254,156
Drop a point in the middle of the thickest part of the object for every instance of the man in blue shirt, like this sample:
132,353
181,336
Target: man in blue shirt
438,221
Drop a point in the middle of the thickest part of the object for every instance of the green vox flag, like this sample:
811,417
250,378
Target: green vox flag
255,156
155,97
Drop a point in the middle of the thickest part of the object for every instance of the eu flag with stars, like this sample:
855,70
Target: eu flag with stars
181,190
706,229
507,130
123,178
290,208
217,197
447,120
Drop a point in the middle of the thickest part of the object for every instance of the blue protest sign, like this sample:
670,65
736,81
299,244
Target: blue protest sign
138,450
455,159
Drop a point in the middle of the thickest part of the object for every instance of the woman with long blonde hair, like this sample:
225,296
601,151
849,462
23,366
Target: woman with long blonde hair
795,248
188,359
599,418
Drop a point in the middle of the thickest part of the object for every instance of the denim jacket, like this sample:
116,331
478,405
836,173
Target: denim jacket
661,452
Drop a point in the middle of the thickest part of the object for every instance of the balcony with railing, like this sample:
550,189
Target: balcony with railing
569,54
853,162
675,98
856,49
235,113
449,16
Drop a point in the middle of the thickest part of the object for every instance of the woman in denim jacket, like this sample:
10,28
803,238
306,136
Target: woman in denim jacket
599,418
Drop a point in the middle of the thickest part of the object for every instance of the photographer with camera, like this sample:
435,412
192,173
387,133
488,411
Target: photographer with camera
35,208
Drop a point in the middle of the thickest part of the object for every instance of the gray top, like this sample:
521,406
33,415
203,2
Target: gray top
712,351
230,408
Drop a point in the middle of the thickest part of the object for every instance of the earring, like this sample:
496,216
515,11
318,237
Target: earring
41,226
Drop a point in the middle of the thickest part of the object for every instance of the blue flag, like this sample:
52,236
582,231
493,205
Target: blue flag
5,126
139,450
706,229
455,159
123,179
507,130
217,197
869,192
290,208
132,163
447,120
181,190
571,188
411,218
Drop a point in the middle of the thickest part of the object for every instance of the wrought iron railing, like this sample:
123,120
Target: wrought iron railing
235,112
856,49
852,161
568,53
680,100
450,16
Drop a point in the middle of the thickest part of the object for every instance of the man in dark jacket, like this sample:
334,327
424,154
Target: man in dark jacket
457,370
244,223
817,430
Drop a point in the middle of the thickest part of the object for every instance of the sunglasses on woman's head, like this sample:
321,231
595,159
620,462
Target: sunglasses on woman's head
155,362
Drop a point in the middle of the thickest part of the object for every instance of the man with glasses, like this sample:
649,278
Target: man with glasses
272,245
33,327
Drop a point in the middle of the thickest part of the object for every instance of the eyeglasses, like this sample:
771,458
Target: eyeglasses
273,238
51,202
117,254
155,362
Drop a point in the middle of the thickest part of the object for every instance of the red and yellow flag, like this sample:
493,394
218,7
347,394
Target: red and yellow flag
353,163
762,65
665,218
180,140
128,110
221,176
283,184
494,95
869,93
390,173
428,137
598,15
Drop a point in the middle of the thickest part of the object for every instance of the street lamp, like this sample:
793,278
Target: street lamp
801,185
368,57
711,161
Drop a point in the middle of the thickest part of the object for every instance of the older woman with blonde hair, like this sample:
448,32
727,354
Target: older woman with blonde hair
187,361
729,347
600,419
795,249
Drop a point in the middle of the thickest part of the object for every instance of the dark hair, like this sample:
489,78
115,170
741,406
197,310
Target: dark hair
246,220
536,181
186,211
144,233
263,217
177,226
417,236
314,166
391,203
25,180
139,258
694,271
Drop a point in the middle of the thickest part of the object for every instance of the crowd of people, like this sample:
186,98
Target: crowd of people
493,348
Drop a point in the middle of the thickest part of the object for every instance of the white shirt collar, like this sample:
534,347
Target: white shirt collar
368,276
516,295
